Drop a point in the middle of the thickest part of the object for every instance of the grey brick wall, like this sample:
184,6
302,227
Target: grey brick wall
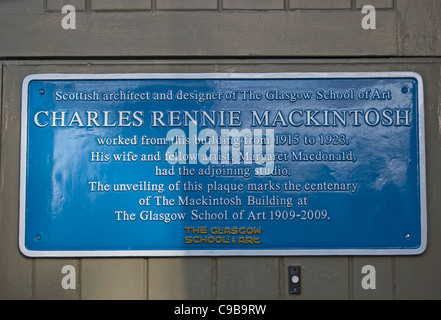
57,5
253,5
186,5
190,5
195,5
378,4
320,4
21,7
117,5
277,28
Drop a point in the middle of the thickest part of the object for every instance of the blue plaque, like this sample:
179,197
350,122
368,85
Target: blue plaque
222,164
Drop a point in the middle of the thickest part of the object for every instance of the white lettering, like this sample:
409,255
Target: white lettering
369,280
369,21
69,21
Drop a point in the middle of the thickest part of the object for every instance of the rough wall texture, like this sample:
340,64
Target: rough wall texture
216,36
164,28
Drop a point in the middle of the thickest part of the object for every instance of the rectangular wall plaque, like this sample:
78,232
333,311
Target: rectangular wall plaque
222,164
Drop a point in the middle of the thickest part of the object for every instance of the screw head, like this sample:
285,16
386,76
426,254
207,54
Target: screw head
41,91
